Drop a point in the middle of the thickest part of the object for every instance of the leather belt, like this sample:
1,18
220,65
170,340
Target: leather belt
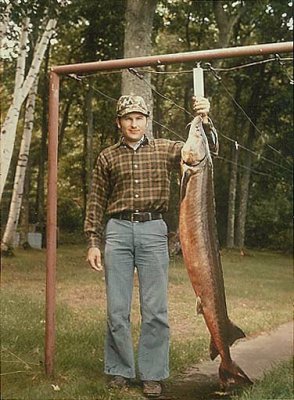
137,216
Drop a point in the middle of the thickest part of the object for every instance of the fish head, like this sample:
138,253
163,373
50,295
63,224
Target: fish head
195,149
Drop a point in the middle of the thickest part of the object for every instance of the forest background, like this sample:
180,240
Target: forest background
251,106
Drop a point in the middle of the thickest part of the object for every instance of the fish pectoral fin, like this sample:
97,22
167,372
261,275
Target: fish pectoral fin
184,183
235,333
199,308
213,351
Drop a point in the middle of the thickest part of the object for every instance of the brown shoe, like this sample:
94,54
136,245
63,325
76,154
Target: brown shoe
118,382
152,388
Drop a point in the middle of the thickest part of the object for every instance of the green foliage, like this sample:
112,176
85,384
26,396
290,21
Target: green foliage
70,215
269,223
276,384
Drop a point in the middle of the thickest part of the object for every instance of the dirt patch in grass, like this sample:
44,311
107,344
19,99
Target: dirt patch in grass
182,316
80,298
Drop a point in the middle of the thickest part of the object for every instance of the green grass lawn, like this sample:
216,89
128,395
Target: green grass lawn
276,384
258,287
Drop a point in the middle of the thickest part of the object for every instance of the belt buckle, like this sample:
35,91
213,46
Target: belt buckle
132,216
150,216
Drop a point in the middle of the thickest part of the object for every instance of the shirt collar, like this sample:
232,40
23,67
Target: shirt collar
143,141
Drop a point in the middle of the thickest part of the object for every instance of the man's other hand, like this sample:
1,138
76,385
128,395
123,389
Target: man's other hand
94,259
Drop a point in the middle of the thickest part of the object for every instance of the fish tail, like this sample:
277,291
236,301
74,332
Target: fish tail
234,333
232,374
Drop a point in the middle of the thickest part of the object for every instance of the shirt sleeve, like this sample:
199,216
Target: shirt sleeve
174,153
97,203
212,137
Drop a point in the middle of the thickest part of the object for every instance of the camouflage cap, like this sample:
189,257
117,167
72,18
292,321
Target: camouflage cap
129,103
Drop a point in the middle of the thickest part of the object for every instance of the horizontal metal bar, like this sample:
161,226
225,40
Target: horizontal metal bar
252,50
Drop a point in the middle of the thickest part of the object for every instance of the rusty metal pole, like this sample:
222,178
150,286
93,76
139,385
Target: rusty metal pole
51,222
259,49
230,52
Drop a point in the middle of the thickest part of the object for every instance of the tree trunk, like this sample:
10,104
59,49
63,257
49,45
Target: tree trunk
225,22
243,203
88,147
25,212
138,42
40,199
63,124
254,109
21,91
232,195
4,23
23,157
8,130
158,109
232,198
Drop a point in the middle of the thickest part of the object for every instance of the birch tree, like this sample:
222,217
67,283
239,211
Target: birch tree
18,187
22,87
23,226
3,24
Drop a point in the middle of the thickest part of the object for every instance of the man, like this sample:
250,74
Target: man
131,184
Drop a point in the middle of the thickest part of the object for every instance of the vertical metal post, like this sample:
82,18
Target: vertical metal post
51,227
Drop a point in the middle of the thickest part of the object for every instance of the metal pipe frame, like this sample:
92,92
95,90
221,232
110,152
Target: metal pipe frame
229,52
51,227
245,51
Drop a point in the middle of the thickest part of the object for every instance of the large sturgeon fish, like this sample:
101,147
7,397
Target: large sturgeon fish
199,242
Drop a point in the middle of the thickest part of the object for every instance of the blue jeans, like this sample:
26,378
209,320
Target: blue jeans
142,245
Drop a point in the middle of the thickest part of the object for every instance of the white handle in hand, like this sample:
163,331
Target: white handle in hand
198,82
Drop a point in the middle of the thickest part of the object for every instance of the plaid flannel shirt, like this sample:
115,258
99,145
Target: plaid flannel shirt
138,180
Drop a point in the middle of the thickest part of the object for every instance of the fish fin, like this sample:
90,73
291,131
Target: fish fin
213,351
235,333
185,179
232,375
199,308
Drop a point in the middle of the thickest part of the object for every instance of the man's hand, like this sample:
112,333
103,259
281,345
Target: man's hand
94,259
202,106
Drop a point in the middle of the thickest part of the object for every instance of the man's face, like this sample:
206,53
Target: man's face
132,126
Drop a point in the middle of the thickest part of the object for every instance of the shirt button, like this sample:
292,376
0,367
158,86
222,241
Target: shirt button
136,180
135,165
136,195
